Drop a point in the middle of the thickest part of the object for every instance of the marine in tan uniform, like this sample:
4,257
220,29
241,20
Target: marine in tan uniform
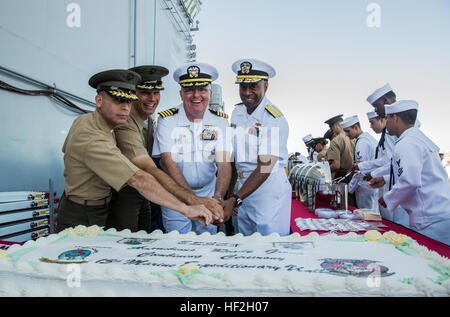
340,153
93,163
129,209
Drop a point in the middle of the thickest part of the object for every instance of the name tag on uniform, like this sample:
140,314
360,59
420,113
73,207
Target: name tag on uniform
209,134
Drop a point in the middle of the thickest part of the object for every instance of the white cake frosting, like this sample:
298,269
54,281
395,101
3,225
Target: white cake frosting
91,262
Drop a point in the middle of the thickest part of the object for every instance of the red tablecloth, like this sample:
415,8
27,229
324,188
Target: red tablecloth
6,244
298,210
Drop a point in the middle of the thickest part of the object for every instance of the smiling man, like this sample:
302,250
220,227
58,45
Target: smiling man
129,209
93,164
191,142
263,197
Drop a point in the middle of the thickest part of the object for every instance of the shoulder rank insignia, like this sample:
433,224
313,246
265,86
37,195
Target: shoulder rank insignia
219,113
273,111
168,112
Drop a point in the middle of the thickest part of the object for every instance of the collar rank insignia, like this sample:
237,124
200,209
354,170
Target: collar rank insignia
219,113
273,111
168,112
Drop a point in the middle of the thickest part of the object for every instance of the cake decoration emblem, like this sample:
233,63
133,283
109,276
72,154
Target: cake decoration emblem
354,267
77,256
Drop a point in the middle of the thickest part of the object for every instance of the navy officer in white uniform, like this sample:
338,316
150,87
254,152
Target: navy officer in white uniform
190,139
364,150
421,185
263,197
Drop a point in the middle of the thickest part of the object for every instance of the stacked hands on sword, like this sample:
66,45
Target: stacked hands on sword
376,182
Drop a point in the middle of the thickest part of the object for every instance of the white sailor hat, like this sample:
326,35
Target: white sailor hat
380,92
372,114
307,138
350,121
251,70
195,74
400,106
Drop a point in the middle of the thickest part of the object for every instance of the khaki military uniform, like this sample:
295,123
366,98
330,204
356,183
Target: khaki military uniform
93,164
322,155
341,149
129,209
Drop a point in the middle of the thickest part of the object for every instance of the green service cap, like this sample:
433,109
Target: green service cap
151,76
118,83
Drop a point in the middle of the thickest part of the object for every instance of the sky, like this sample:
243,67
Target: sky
330,55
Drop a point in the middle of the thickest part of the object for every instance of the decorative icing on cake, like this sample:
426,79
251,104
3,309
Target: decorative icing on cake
91,262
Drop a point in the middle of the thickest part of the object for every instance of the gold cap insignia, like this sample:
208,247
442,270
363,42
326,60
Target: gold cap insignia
193,71
246,67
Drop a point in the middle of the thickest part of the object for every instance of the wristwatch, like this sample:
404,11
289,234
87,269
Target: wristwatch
219,197
238,201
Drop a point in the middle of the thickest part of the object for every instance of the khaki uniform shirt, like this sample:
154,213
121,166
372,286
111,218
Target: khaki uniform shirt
133,138
93,163
341,149
322,155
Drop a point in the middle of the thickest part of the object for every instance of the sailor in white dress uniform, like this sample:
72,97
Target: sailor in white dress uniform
364,150
195,147
421,185
261,135
380,164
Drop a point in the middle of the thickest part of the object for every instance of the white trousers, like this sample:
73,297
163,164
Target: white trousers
268,209
367,198
438,230
174,220
399,215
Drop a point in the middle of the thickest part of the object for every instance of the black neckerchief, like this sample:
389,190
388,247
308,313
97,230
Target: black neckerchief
381,142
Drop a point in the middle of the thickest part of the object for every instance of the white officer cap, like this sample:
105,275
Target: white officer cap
195,74
251,70
372,114
350,121
380,92
400,106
